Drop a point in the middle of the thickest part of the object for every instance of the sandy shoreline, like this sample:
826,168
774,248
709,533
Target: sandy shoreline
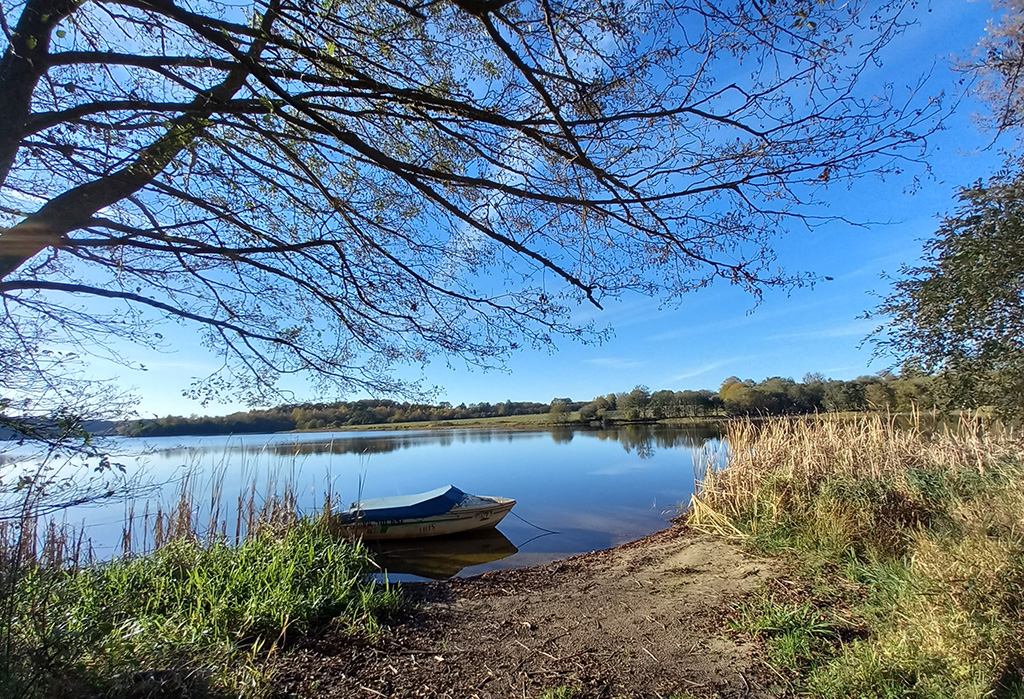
644,619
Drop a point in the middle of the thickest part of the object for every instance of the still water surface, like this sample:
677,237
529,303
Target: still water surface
595,488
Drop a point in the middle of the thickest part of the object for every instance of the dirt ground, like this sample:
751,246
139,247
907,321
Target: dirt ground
645,619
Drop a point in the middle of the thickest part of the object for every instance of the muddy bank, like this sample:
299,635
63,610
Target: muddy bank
645,619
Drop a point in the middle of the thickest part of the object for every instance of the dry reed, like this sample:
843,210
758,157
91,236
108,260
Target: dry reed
926,525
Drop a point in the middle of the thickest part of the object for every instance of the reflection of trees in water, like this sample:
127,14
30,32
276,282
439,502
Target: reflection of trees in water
349,445
643,439
392,441
639,438
353,445
646,439
562,435
476,437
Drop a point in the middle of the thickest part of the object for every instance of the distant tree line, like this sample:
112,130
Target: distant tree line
640,404
312,416
880,392
885,391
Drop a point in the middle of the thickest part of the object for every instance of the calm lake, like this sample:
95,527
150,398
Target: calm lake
593,488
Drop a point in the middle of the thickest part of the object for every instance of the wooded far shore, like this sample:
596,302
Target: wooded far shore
775,396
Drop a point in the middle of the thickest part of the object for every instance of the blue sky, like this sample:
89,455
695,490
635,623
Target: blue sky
717,332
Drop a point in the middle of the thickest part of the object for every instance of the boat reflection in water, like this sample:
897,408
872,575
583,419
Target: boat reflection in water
441,557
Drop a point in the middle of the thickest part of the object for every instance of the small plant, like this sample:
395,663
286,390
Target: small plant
561,692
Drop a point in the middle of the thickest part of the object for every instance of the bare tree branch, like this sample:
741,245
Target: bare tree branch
331,189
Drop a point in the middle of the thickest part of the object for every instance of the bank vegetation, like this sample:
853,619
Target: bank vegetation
204,609
909,545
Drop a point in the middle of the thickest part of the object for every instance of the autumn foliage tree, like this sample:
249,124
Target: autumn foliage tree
998,66
959,314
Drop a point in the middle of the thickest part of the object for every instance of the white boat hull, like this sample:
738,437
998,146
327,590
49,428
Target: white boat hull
455,521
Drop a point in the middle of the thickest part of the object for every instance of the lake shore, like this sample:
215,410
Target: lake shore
646,618
829,557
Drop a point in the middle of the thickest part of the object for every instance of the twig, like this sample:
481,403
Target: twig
655,621
535,650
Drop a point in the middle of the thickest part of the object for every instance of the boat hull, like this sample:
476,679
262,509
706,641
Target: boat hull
455,521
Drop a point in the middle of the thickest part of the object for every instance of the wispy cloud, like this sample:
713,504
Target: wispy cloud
693,372
615,363
888,263
693,330
843,370
754,317
620,469
618,314
858,328
180,365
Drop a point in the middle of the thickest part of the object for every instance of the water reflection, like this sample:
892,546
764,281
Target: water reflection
641,439
644,440
441,557
356,445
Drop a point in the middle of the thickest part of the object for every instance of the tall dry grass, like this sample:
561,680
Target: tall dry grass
212,517
926,527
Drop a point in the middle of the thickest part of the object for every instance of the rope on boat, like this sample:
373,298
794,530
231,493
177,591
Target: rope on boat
533,538
546,531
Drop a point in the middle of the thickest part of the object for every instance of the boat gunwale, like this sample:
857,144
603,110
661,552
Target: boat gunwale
399,528
356,516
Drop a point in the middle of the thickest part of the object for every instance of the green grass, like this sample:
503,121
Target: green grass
796,632
191,619
910,546
561,692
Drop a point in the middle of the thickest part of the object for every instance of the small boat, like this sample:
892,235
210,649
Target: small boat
437,512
